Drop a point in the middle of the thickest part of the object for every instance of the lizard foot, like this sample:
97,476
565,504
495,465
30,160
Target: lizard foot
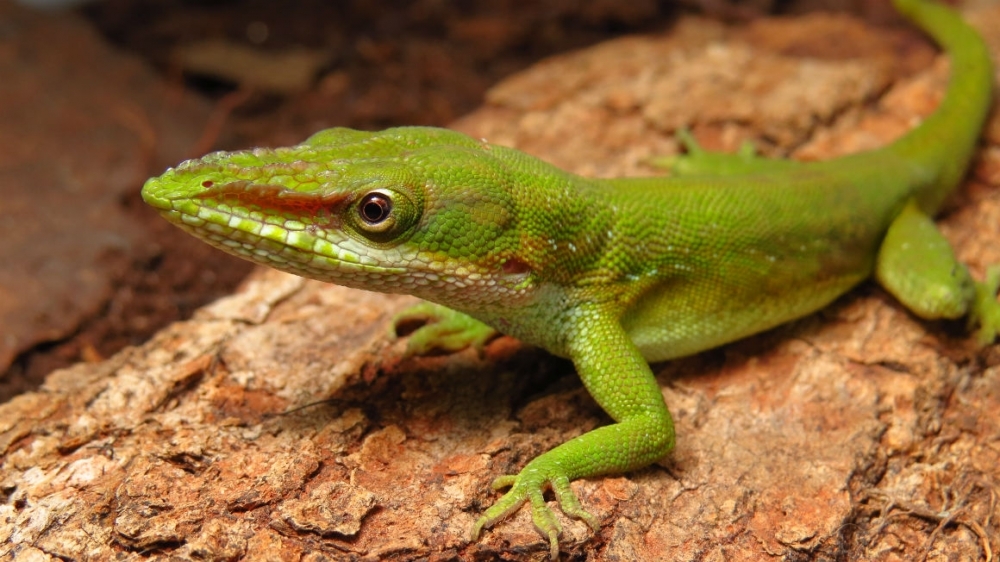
444,329
528,486
986,310
697,161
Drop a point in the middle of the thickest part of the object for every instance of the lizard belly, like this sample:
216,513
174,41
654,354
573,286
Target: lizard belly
666,323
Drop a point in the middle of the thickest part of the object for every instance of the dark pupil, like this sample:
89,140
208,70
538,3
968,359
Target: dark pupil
375,208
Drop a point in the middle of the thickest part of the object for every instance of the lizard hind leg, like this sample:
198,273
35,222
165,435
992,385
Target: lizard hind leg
697,161
985,312
917,265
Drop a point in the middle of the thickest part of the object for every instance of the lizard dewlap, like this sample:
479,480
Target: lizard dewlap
614,273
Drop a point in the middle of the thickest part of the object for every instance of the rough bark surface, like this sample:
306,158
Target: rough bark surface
282,423
51,103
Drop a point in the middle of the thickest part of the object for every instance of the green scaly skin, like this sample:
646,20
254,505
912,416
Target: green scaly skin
609,273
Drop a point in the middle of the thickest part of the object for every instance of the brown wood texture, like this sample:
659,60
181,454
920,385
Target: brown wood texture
283,423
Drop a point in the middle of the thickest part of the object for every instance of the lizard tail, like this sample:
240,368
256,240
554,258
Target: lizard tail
945,142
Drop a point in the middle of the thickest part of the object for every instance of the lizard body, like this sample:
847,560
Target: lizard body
609,273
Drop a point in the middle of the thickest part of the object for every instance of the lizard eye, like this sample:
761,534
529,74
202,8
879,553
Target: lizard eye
375,208
382,215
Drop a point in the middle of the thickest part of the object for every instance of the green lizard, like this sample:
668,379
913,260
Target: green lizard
609,273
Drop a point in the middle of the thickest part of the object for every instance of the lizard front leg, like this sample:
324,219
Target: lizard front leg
621,381
444,329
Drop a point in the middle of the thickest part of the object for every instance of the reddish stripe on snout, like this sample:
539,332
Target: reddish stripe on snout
274,199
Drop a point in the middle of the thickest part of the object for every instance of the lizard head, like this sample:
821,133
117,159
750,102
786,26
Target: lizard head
423,211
